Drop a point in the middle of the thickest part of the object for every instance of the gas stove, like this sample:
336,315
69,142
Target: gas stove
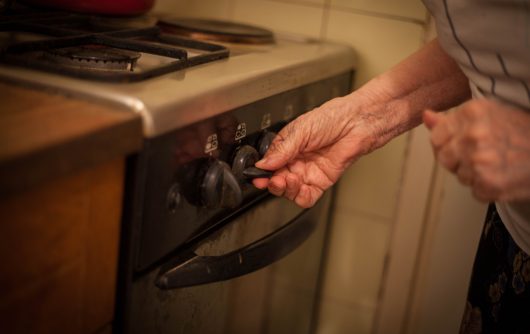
212,95
172,81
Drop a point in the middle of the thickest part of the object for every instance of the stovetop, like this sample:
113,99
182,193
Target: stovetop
99,49
170,81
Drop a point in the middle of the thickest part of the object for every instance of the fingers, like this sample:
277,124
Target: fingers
308,196
292,188
485,191
286,184
430,118
449,155
443,131
260,183
464,143
277,185
285,146
293,185
465,174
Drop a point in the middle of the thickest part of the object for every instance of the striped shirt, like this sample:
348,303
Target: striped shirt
490,41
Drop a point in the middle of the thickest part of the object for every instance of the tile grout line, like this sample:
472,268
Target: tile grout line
378,15
324,21
358,11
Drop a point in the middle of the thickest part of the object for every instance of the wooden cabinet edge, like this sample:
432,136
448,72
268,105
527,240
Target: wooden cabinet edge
59,251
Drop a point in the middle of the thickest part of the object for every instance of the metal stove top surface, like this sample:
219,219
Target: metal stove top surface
187,95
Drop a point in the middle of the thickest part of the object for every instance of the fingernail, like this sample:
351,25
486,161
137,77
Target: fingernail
262,162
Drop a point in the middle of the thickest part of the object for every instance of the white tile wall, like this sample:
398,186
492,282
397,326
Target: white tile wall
412,9
358,245
371,185
280,16
448,253
216,9
303,2
342,318
380,43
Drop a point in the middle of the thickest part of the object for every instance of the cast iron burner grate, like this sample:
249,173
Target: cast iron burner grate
108,54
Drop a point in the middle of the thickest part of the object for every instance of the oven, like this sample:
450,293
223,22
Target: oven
202,250
203,261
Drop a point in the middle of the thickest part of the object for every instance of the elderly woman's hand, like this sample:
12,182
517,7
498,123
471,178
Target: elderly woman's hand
487,145
311,153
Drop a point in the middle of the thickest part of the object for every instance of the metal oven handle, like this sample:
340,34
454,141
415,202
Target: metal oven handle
193,269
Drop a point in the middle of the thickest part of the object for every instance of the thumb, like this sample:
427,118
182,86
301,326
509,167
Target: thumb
283,149
431,118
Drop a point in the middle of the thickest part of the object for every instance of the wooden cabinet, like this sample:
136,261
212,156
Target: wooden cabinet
59,251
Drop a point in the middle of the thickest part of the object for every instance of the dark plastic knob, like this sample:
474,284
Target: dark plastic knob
265,142
245,157
220,188
257,173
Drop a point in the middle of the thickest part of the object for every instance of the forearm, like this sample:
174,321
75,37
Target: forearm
312,152
428,79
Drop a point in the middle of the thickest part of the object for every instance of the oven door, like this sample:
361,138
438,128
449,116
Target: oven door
258,274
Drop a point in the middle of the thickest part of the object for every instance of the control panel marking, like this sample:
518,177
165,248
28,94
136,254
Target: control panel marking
241,131
266,121
288,112
211,143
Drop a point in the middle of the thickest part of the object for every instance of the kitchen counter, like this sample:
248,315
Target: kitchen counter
44,135
62,173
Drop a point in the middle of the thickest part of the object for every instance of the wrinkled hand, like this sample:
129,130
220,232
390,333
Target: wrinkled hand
311,153
487,145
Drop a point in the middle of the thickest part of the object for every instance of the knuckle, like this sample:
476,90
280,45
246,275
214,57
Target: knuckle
276,189
479,158
276,147
475,161
477,133
303,203
475,109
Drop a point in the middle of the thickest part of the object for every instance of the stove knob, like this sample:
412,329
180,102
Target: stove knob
265,142
245,157
220,188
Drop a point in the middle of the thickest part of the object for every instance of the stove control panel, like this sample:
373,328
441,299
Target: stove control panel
222,184
193,177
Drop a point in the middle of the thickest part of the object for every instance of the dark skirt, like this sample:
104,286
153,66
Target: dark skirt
498,299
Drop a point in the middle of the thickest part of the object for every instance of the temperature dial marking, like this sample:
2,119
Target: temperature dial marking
241,131
266,121
288,112
211,143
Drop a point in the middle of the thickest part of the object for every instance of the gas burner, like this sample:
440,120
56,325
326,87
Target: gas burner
115,56
94,57
215,30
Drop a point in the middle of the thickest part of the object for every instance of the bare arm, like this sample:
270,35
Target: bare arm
312,152
428,79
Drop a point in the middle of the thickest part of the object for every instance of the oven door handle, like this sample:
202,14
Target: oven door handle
193,269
